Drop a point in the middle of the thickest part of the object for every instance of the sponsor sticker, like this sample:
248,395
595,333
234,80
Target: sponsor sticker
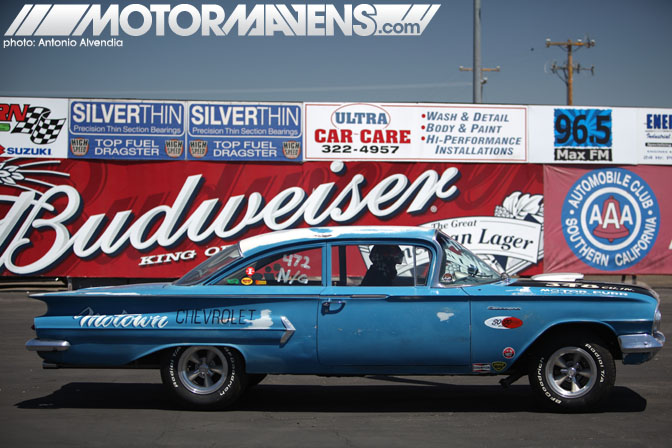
508,352
246,281
480,368
499,366
610,219
503,322
174,148
79,146
291,149
198,148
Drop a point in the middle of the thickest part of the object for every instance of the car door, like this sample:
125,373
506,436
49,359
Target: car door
278,293
405,323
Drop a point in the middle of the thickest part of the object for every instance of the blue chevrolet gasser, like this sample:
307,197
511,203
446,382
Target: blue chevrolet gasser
355,301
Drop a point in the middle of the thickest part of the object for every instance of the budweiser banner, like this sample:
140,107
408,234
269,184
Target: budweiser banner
609,220
89,218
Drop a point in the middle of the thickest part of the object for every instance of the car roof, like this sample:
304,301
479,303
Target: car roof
259,243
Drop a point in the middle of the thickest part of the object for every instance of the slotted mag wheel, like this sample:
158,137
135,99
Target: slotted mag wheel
571,372
203,370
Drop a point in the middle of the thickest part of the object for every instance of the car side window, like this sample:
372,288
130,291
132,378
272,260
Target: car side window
379,265
295,268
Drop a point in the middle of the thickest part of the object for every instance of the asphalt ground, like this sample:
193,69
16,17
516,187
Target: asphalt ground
130,408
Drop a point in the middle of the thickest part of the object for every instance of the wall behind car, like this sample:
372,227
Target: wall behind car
133,188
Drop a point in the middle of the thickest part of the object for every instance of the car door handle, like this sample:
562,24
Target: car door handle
327,306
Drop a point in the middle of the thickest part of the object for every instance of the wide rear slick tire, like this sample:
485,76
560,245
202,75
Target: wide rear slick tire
572,375
204,377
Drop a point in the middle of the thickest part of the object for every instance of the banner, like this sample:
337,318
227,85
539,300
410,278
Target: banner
654,136
612,220
33,127
564,134
416,132
245,132
127,130
82,218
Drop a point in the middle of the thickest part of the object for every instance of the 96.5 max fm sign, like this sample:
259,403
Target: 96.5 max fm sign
583,135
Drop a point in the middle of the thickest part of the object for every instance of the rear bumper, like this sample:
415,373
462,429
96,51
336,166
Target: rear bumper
639,348
47,345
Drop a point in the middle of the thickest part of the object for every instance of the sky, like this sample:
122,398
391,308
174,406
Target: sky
632,59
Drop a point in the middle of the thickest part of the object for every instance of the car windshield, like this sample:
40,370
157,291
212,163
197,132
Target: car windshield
461,266
210,266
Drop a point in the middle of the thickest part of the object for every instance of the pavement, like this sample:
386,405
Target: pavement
130,408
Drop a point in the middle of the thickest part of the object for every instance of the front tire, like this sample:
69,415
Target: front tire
204,377
571,376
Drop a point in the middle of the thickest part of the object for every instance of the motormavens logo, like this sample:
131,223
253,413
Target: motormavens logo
35,22
610,219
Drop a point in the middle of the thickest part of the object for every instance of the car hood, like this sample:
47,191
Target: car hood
583,285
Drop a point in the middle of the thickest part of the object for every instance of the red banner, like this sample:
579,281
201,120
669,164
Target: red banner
159,219
612,220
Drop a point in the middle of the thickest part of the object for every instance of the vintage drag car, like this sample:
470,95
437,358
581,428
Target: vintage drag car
355,301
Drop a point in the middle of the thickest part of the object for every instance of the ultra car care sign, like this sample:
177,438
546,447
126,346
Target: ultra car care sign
33,127
245,132
425,132
128,130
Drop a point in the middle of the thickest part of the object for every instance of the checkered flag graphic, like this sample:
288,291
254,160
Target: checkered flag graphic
42,130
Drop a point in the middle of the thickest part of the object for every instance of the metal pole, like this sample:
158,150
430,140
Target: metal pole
570,74
477,52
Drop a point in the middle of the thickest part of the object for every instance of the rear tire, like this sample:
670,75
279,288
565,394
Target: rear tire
572,375
204,377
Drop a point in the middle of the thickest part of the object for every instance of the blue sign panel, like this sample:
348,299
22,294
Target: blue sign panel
583,135
127,130
244,132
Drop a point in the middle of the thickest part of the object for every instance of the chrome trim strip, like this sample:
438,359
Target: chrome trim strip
289,330
47,345
641,343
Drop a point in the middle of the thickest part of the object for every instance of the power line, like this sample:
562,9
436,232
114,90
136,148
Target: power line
566,72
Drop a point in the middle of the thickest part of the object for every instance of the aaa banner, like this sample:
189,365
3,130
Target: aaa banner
609,220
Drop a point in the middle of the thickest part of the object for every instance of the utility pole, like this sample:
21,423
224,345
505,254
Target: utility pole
483,78
477,86
568,69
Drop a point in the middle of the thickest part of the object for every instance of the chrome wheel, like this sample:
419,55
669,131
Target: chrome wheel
571,372
203,370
